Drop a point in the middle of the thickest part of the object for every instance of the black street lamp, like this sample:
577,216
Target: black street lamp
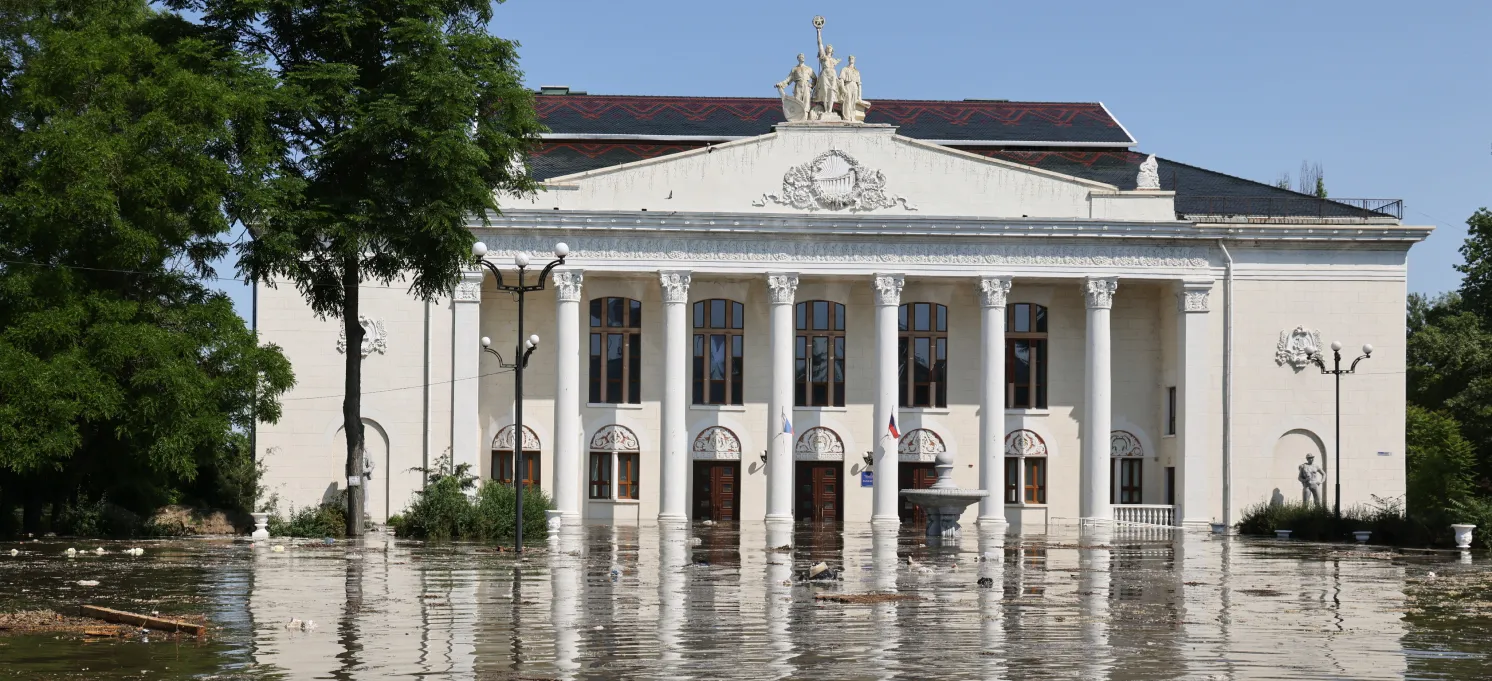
478,250
1337,371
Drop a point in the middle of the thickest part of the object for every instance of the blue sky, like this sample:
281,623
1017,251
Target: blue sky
1391,98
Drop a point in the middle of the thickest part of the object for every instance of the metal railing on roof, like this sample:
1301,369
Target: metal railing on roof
1269,208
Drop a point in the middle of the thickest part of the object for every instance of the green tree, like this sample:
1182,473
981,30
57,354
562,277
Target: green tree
126,139
1448,361
1476,282
1440,463
397,122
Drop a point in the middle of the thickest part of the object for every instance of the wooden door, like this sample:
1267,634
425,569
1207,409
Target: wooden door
818,491
915,476
715,490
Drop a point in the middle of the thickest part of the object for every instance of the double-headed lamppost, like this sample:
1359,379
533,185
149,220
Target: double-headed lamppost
523,349
1337,371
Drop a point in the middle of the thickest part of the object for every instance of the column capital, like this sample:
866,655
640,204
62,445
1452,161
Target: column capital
1193,296
782,286
567,284
994,290
675,285
888,289
468,287
1099,292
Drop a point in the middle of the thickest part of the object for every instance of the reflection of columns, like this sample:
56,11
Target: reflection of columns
883,615
1093,598
1098,393
779,598
1195,502
567,283
466,353
992,294
991,612
781,288
888,298
565,585
673,555
673,459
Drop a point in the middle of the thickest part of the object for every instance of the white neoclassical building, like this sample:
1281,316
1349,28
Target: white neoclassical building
772,318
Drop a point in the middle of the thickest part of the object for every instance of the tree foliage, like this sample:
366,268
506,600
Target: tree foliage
127,137
396,123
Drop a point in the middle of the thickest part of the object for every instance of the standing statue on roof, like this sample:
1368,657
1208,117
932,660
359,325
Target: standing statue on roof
826,90
795,107
851,107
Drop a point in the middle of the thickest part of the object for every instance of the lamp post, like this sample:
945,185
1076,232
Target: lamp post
1337,371
479,250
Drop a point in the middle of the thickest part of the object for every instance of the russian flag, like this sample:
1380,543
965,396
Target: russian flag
892,428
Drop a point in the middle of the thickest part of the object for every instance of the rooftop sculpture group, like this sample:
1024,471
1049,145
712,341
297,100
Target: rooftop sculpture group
829,95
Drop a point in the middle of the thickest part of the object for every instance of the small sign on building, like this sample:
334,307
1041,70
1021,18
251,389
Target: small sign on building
867,478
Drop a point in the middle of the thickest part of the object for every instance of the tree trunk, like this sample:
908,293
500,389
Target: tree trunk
352,418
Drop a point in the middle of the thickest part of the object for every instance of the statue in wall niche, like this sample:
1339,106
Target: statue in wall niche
1149,176
1311,478
795,107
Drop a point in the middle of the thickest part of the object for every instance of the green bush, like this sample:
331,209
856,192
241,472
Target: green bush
446,509
1385,518
1475,511
326,520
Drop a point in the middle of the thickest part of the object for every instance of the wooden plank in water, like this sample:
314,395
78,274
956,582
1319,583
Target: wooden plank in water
138,620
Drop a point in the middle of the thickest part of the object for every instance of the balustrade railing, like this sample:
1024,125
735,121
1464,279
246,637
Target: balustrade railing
1145,514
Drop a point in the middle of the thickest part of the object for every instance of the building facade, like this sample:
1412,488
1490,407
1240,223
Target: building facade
771,318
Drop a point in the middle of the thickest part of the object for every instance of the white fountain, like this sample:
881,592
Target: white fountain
944,502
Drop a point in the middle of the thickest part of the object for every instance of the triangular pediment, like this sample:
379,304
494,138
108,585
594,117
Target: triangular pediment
845,170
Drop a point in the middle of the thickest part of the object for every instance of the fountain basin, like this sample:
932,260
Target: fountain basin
944,502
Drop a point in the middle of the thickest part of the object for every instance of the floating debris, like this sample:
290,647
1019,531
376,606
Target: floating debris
72,552
986,582
279,548
298,624
88,582
818,572
859,599
15,552
99,551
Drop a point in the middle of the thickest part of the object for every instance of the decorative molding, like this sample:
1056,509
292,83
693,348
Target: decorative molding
782,287
888,250
375,339
1296,348
1099,292
993,291
1123,443
675,285
469,288
1023,443
819,444
614,438
504,440
888,288
1149,175
716,443
567,284
920,445
834,181
1193,299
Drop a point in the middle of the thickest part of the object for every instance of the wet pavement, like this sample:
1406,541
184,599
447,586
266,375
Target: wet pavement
722,602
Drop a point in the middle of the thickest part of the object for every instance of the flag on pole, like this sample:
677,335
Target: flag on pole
896,434
787,426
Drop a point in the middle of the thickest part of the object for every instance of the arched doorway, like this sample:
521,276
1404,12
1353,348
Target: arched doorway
915,454
818,459
376,480
717,474
1127,468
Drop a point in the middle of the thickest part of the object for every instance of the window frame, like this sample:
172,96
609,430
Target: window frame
600,479
807,327
1028,487
1119,489
600,382
936,337
732,332
1170,410
502,464
1036,339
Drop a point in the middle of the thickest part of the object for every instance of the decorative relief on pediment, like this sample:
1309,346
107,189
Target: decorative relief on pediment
375,339
1123,443
819,444
834,181
920,445
615,438
717,443
1296,348
1024,443
504,440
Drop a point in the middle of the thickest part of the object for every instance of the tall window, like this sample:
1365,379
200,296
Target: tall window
1171,410
1131,473
626,476
600,482
923,350
503,461
1025,357
820,354
719,351
616,351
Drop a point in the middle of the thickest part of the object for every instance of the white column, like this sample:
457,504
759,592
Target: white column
993,292
1098,396
673,473
567,482
884,499
781,287
466,355
1194,500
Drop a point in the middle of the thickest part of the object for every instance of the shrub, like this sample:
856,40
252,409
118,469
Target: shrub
1475,511
1385,518
446,509
325,520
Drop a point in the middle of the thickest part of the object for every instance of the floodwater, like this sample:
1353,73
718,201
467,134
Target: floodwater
715,602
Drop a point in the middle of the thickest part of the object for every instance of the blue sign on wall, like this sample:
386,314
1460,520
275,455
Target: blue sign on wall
867,478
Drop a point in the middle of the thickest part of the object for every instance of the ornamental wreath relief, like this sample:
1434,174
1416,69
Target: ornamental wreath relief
1296,348
834,181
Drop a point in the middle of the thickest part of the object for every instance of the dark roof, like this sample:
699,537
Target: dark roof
1198,191
718,118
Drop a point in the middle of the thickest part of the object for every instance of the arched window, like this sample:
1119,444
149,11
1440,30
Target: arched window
1025,468
616,351
820,355
719,351
502,456
1025,357
923,352
613,448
